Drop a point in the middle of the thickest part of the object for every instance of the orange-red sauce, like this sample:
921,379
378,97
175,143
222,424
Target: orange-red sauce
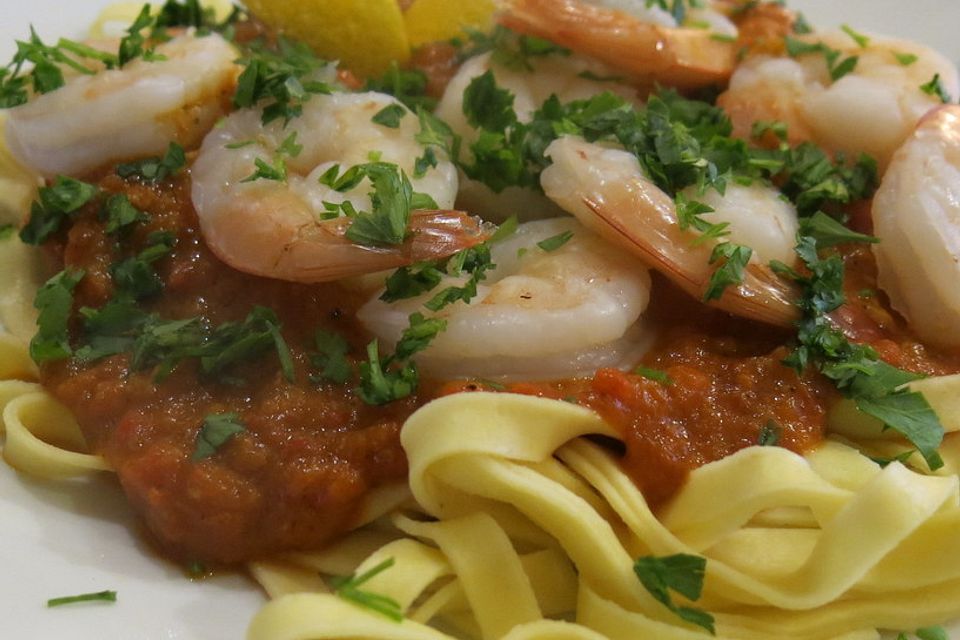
298,476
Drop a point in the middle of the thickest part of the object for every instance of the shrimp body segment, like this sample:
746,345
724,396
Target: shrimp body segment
916,215
539,314
281,228
640,46
127,113
872,109
606,189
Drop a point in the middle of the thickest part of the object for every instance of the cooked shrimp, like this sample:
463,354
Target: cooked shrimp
916,215
871,109
127,113
645,43
277,228
540,314
608,192
567,77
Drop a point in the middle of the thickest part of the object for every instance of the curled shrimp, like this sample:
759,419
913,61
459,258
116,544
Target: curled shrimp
631,37
916,216
608,192
872,109
127,113
539,314
281,228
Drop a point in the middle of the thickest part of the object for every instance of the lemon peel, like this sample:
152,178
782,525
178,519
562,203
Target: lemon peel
366,37
434,20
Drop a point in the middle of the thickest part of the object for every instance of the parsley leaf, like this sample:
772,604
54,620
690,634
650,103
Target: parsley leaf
99,596
135,277
390,116
555,242
856,370
53,206
279,81
7,231
120,215
828,232
681,573
935,88
392,200
155,169
54,301
331,358
654,374
733,259
769,434
217,430
409,86
379,384
348,588
487,106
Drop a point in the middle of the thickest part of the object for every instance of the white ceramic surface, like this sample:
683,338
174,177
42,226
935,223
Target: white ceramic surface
58,539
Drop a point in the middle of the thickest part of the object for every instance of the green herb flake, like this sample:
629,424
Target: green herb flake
99,596
7,231
657,375
733,259
392,201
216,431
681,573
862,41
829,232
932,633
154,170
54,301
331,359
390,116
54,206
769,434
349,588
120,215
906,59
935,88
555,242
409,86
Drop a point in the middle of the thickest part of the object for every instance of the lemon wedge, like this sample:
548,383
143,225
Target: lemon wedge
366,36
435,20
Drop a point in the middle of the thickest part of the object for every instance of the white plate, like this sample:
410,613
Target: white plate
60,539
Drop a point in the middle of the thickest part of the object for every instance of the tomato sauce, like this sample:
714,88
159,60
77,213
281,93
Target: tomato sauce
311,453
298,475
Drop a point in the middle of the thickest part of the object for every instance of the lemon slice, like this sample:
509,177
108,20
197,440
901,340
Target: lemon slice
365,36
434,20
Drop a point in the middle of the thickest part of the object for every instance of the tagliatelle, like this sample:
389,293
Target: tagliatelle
484,465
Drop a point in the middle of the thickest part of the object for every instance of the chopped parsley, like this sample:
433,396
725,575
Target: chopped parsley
555,242
277,171
331,358
120,215
508,48
935,88
54,301
681,573
349,588
390,116
657,375
155,169
135,277
392,201
99,596
7,231
927,633
409,86
216,431
732,260
769,434
906,59
862,41
279,81
857,371
837,65
53,206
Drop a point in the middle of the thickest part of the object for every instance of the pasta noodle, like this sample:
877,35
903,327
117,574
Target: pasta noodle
483,466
